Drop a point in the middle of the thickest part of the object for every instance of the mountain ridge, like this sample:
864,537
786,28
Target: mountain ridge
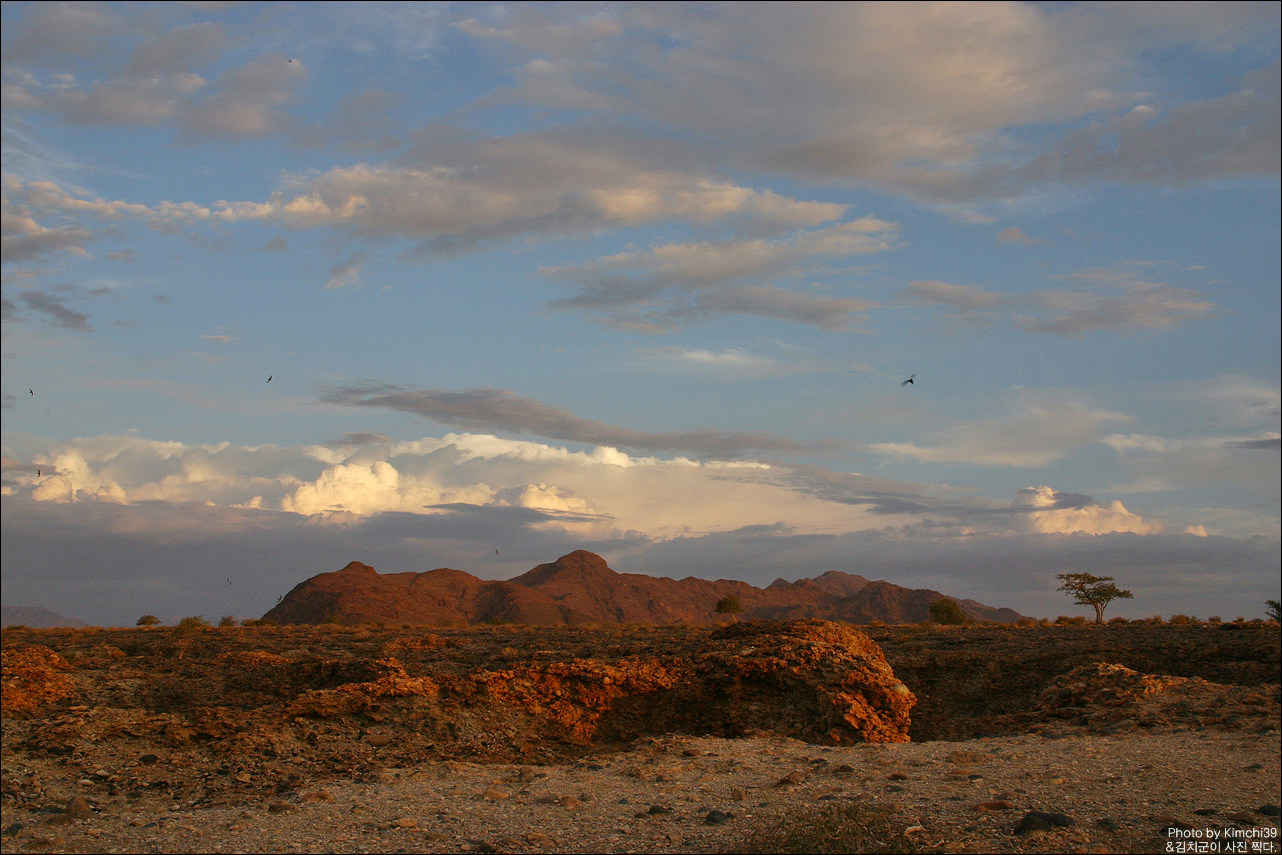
580,588
37,617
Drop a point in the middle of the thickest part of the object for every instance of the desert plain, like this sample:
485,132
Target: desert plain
755,736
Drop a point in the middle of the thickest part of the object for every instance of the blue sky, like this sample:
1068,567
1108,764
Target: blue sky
644,279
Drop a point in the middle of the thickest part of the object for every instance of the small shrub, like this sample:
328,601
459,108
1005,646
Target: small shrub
186,631
148,620
189,625
1026,622
227,620
1118,621
1182,620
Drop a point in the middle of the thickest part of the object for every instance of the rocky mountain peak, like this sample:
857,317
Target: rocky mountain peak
580,588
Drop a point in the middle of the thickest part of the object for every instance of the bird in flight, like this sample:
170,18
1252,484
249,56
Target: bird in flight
909,380
269,377
32,391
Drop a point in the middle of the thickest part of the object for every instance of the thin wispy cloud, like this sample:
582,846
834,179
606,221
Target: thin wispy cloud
1115,300
1035,430
56,310
501,409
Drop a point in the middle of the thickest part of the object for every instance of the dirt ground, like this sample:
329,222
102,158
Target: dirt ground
223,717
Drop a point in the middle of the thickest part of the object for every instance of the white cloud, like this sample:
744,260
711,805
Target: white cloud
935,100
731,362
1037,429
167,511
491,190
1047,515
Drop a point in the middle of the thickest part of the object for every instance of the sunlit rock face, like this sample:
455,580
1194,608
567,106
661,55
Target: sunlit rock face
821,682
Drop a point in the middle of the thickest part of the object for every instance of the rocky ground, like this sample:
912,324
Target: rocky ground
647,739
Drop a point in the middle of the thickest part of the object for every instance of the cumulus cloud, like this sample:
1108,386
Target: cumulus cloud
249,101
176,514
1049,512
927,100
602,488
61,30
23,238
160,84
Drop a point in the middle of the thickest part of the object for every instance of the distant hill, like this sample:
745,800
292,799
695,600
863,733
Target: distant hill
580,588
36,618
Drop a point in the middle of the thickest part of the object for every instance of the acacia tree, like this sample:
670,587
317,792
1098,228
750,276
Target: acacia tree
730,606
947,611
1088,589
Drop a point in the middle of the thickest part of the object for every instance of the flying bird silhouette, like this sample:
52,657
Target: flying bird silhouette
269,377
909,380
32,391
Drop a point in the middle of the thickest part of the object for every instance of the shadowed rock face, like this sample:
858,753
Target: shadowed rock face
581,589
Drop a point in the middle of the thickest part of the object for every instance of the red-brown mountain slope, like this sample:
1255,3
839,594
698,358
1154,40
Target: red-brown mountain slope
580,588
